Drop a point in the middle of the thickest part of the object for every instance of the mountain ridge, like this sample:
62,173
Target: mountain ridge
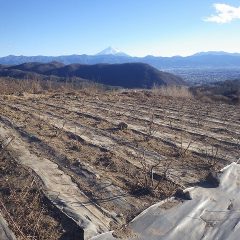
201,60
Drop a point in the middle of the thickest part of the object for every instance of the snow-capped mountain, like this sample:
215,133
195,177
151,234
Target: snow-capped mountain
112,51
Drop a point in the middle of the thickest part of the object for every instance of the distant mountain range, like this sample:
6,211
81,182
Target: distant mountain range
216,53
113,56
127,75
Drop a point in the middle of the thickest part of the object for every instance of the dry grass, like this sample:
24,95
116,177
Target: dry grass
173,91
11,86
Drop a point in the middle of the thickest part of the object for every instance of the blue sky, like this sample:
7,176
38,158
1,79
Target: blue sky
137,27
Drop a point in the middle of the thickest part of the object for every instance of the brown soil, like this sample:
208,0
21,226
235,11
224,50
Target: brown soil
181,139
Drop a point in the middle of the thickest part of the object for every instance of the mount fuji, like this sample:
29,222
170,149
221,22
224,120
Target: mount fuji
112,51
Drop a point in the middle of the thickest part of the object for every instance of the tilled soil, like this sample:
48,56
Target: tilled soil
107,168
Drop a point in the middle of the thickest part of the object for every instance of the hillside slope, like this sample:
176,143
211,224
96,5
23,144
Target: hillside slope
128,75
227,91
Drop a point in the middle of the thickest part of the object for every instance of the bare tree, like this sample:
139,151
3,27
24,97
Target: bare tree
5,143
212,156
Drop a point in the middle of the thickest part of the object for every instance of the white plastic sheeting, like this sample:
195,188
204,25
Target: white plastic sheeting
212,214
5,232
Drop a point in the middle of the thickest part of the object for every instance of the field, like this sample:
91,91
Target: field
102,157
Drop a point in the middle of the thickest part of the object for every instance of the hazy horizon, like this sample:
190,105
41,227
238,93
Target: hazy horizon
138,27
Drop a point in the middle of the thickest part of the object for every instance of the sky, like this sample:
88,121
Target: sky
136,27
